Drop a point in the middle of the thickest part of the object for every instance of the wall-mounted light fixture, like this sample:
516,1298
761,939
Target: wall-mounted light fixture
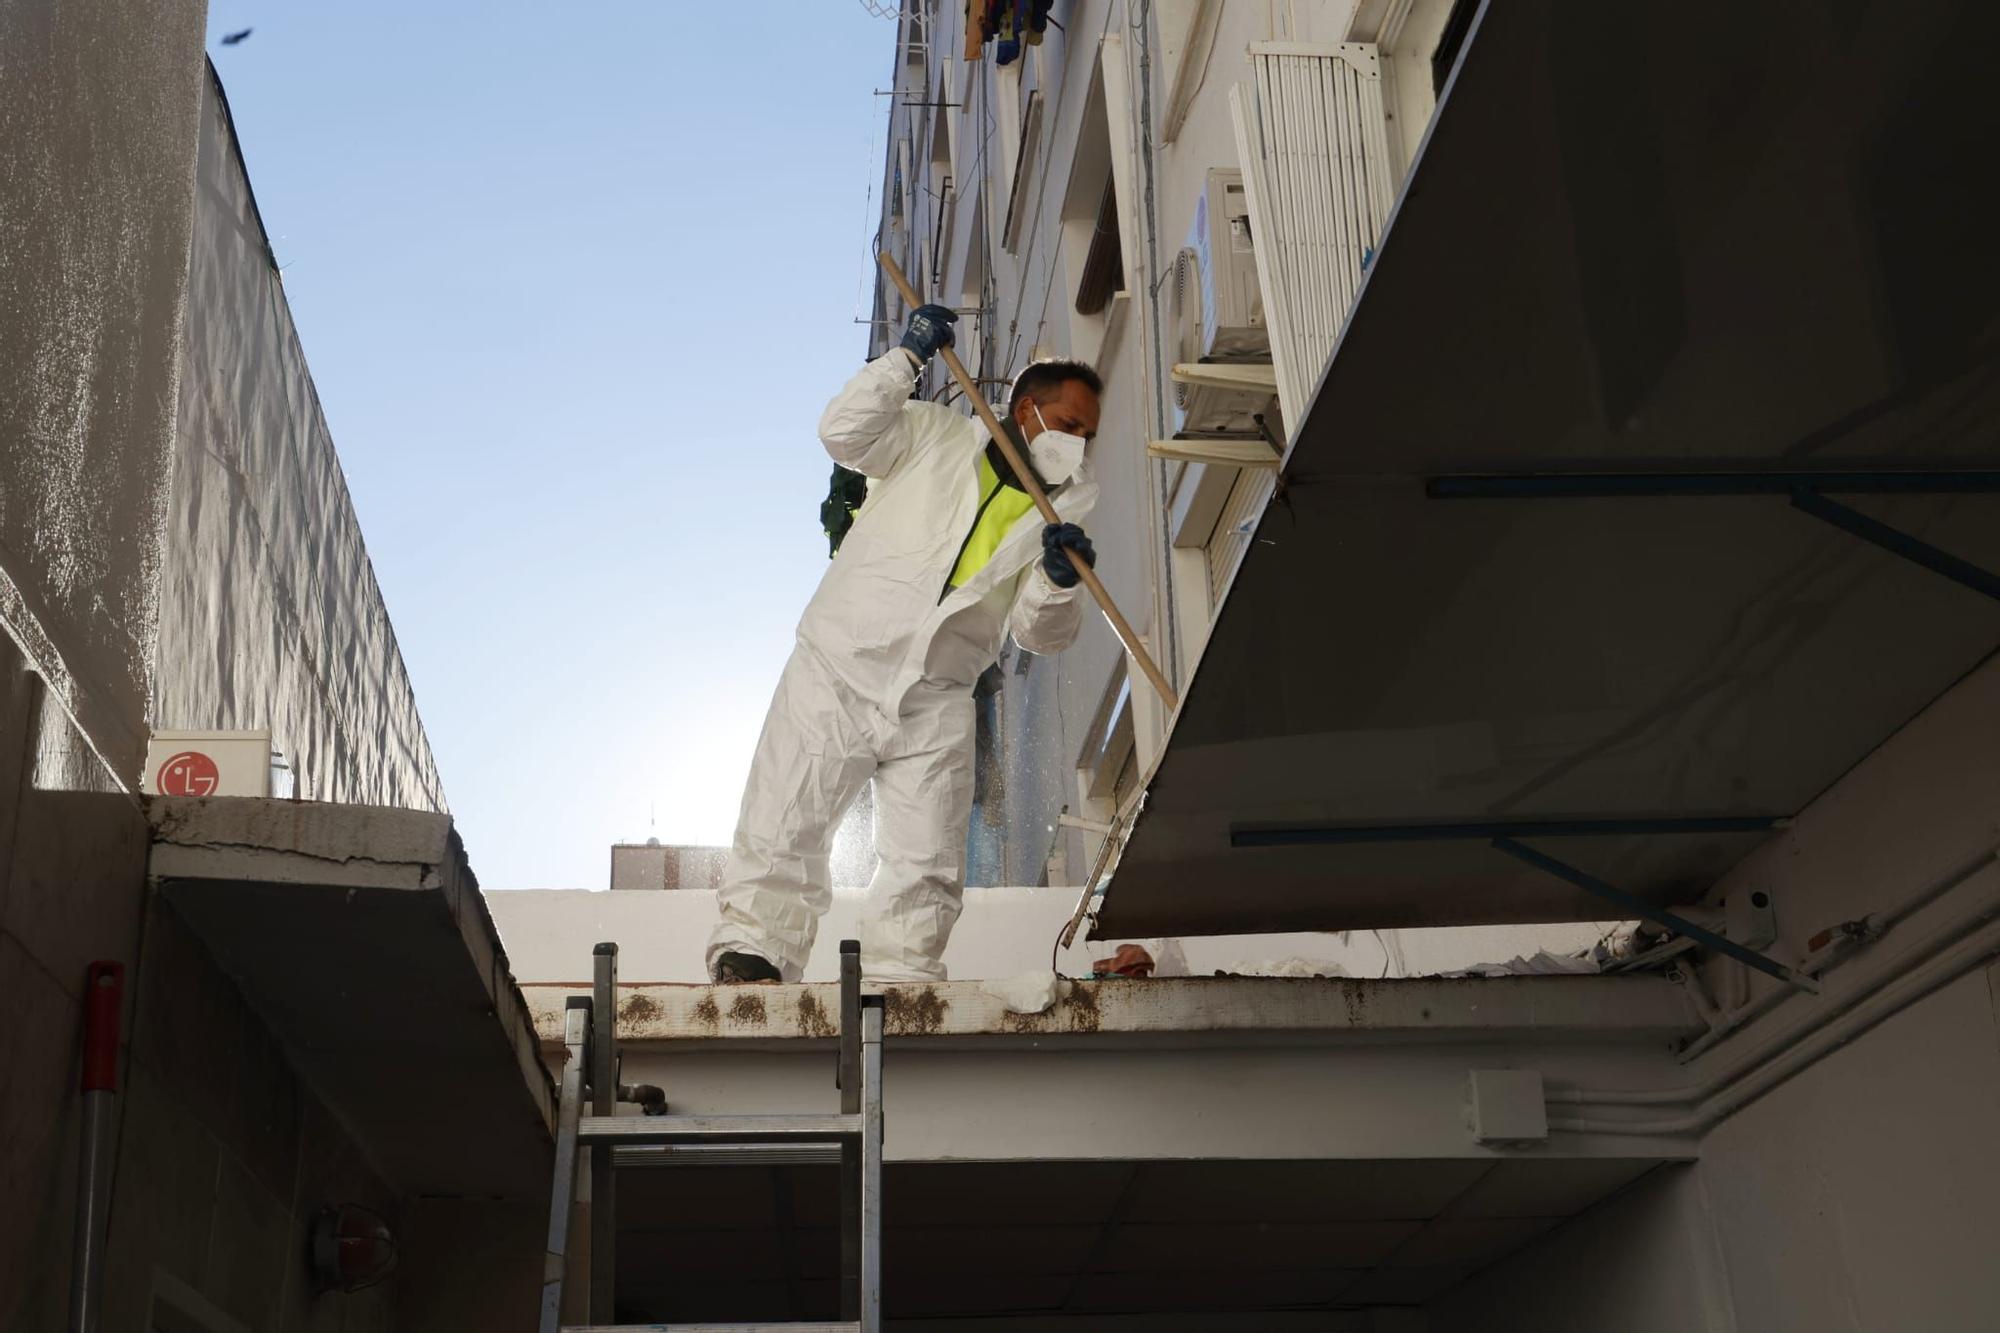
351,1247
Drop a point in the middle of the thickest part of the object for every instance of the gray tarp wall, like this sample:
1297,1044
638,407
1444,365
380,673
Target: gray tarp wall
269,611
177,544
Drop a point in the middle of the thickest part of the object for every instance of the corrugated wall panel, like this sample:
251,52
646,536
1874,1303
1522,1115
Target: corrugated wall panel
269,612
1311,135
1314,148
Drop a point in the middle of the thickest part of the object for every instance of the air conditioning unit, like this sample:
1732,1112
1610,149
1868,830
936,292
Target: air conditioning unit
1218,307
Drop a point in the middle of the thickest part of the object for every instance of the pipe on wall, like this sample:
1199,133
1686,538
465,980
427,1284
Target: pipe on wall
1945,955
1842,950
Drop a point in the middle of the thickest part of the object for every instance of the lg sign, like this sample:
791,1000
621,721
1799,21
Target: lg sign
189,773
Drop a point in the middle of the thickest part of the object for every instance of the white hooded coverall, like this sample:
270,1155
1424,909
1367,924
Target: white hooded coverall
880,685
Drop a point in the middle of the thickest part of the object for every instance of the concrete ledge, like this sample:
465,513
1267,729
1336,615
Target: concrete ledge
360,936
1169,1011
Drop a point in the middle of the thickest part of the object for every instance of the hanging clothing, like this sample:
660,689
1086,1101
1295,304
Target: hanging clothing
1008,24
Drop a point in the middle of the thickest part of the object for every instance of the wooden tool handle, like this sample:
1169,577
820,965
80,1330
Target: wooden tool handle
1026,475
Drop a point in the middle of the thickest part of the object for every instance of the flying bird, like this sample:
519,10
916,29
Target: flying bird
235,37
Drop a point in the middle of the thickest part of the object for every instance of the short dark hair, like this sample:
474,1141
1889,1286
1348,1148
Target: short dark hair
1042,378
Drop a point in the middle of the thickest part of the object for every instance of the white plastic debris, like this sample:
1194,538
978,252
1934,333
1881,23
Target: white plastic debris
1030,993
1287,967
1543,964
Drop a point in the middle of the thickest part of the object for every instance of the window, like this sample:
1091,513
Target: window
1450,42
941,229
1104,262
1024,171
899,180
1419,41
1095,255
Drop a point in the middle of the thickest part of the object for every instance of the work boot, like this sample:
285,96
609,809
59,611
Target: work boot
732,969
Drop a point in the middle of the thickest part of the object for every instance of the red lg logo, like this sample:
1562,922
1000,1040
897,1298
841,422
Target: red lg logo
189,773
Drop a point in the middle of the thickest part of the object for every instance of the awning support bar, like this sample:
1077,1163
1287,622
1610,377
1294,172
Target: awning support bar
1640,907
1807,491
1896,542
1337,835
1617,485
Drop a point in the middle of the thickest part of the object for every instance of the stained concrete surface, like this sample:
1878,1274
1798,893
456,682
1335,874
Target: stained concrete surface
362,938
225,1155
222,1152
1102,1015
99,106
71,876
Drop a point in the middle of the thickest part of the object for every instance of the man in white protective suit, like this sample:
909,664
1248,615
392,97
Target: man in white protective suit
945,557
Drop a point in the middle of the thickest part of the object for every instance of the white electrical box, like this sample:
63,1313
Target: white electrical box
208,763
1506,1106
1218,306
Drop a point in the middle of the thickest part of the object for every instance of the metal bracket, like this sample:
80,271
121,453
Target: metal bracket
1623,485
1265,433
1896,542
1521,828
1504,835
1806,490
1640,907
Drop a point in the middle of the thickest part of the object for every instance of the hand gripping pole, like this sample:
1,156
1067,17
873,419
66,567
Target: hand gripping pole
1122,627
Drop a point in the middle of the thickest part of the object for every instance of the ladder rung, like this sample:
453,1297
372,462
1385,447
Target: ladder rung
711,1328
717,1129
640,1156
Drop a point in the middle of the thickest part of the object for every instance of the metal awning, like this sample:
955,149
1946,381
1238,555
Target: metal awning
1569,547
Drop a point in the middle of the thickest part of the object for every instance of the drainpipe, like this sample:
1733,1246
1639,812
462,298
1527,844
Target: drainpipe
1942,957
1166,618
1837,946
103,998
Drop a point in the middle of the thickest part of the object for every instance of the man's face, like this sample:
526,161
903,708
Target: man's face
1072,409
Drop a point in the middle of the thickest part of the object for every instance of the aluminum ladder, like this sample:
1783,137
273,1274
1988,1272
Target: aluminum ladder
610,1140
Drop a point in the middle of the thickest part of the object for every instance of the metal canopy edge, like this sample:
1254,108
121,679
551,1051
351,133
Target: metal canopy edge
1780,300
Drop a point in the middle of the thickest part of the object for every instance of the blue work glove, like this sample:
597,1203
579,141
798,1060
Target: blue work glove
930,329
1058,541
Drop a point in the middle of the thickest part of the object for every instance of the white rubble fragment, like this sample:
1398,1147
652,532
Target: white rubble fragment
1030,993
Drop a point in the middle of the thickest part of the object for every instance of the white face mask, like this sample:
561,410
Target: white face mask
1056,454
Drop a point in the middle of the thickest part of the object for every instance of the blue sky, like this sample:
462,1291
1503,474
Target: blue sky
574,283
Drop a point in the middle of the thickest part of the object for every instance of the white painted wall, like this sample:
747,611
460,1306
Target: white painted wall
1644,1261
1861,1194
1057,1100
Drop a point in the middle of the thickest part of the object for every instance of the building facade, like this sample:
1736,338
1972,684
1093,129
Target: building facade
1600,316
1064,201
